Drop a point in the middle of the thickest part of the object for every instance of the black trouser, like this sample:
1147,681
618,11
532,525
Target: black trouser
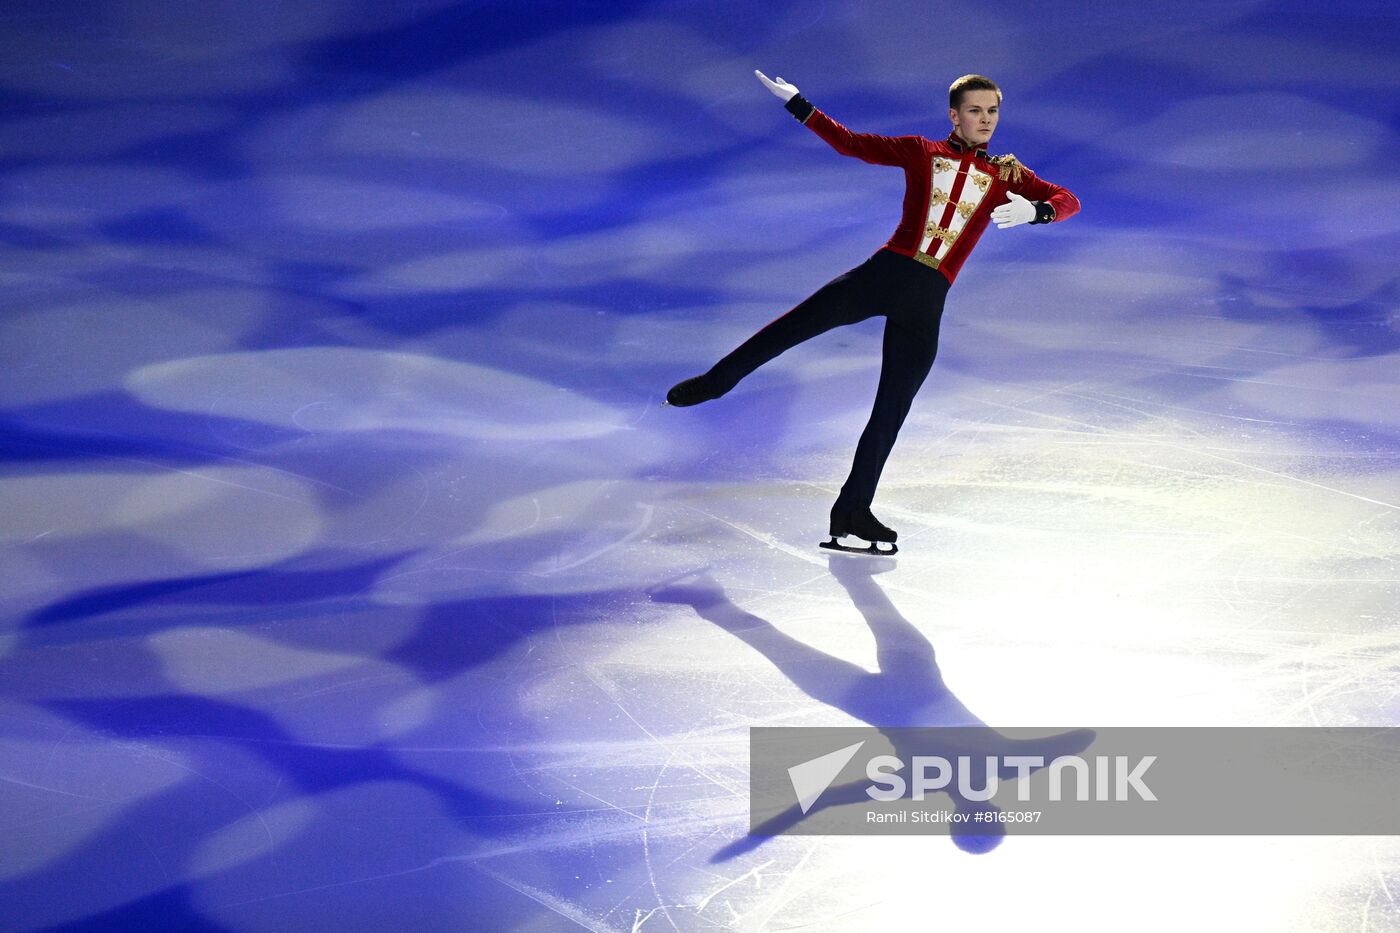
910,296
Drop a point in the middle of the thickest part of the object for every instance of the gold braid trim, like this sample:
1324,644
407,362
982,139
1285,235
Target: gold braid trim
966,208
1008,166
939,196
940,233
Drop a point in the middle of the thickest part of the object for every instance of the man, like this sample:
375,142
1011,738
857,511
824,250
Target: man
951,186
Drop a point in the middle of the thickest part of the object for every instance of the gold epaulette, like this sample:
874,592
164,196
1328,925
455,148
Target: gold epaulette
1008,166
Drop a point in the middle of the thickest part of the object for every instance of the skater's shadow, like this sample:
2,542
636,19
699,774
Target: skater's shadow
906,691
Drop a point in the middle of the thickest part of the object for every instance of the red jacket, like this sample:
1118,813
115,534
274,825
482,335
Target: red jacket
950,189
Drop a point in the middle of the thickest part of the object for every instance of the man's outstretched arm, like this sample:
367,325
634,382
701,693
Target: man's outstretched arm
878,150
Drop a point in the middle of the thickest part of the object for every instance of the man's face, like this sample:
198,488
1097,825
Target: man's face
975,120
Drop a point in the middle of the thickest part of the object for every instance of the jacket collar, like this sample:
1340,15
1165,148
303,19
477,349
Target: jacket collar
958,145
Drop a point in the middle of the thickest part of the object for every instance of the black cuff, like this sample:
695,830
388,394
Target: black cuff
800,107
1044,213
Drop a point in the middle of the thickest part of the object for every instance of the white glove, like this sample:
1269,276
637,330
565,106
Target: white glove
780,88
1016,211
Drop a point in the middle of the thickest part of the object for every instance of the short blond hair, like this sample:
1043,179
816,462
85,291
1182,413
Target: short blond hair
966,83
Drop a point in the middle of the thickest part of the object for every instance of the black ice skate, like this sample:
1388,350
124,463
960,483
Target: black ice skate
693,391
859,532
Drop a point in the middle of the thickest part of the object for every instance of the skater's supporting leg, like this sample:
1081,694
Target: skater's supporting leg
908,355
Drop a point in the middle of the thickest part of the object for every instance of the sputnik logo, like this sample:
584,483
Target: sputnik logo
811,778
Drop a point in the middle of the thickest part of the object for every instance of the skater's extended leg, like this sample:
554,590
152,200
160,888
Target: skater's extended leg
848,298
840,301
908,355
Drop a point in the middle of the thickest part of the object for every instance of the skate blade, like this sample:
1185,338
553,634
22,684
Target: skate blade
871,549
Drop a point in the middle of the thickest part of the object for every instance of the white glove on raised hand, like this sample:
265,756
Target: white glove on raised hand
780,88
1016,211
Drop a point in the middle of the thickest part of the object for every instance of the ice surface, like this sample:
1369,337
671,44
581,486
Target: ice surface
356,578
